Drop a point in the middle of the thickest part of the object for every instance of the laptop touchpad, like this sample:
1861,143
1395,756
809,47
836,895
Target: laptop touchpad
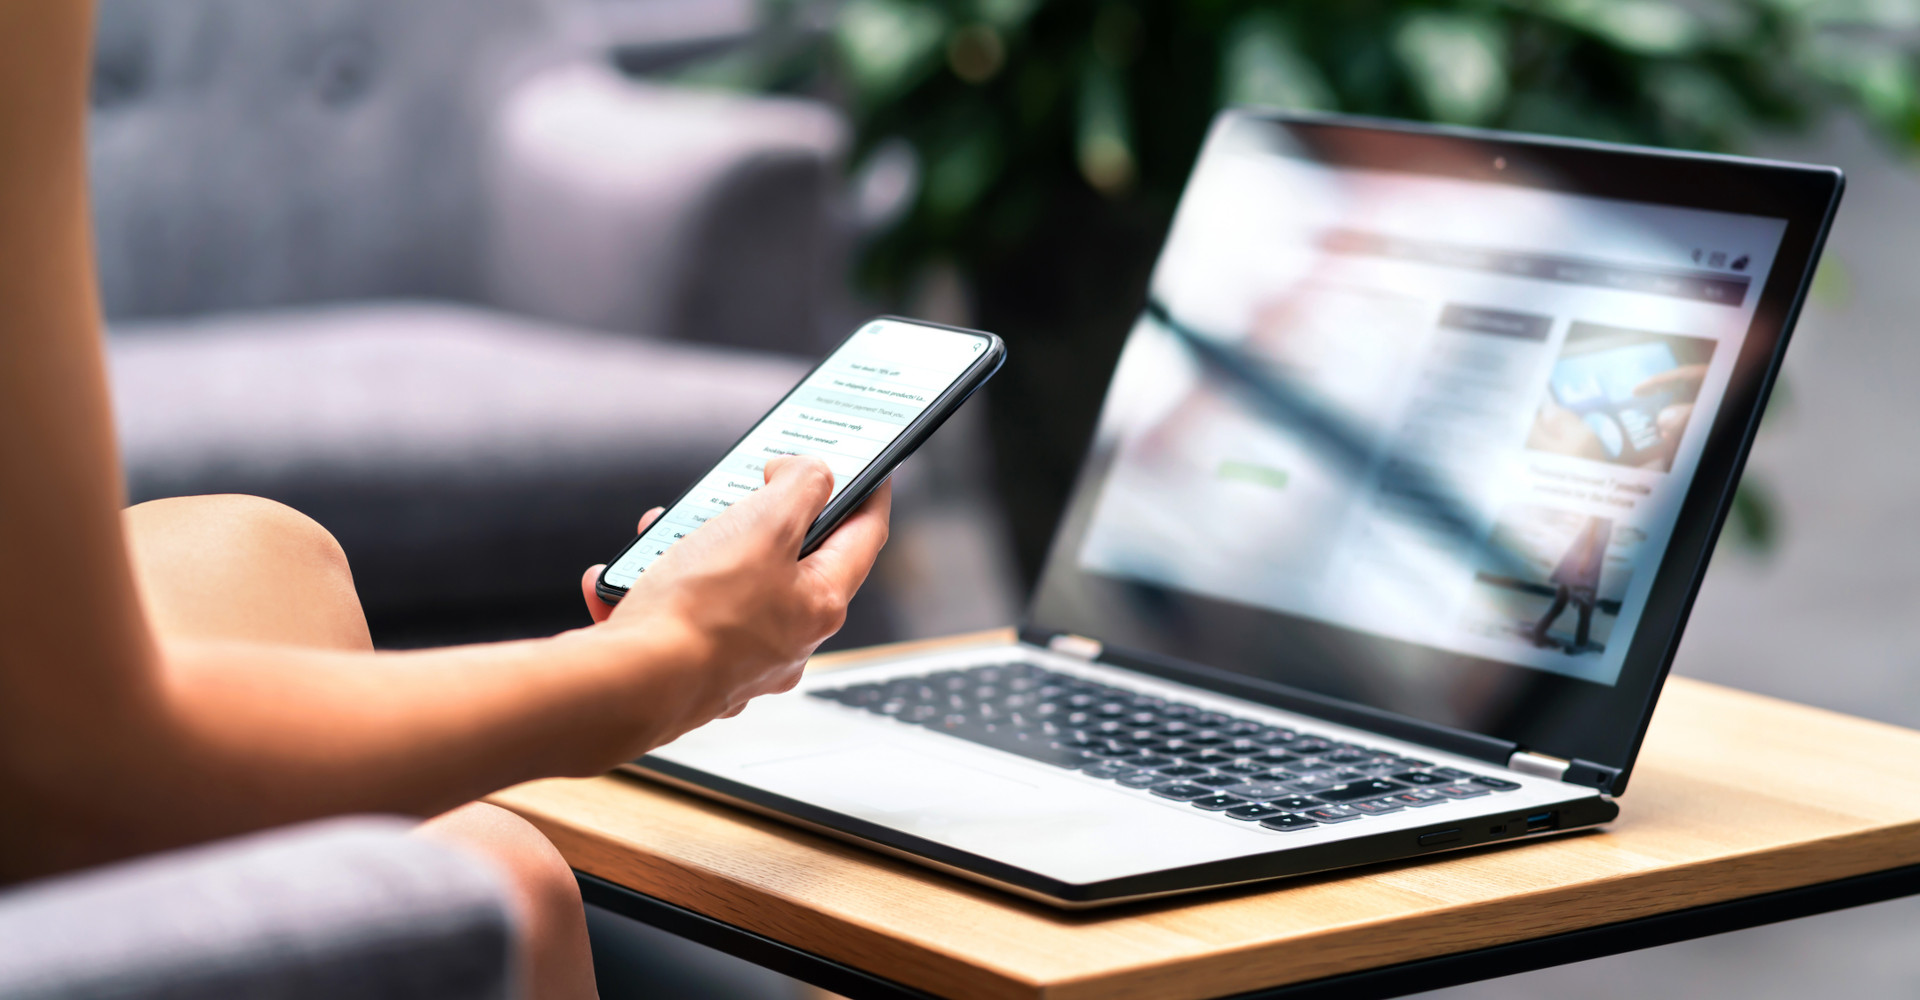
884,777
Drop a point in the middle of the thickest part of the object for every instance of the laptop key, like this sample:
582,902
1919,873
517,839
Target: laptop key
1290,822
1330,814
1141,741
1357,790
1261,789
1029,744
1374,807
1497,784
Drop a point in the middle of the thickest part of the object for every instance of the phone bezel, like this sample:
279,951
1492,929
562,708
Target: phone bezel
876,472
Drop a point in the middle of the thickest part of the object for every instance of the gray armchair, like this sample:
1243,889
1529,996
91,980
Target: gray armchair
344,908
435,273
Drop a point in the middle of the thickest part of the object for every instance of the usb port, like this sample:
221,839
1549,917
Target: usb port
1540,821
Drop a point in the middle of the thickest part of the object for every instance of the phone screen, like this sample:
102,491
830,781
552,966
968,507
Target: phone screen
866,394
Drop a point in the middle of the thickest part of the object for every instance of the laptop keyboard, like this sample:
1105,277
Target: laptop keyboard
1280,778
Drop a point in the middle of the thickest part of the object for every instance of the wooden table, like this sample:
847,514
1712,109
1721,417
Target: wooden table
1744,810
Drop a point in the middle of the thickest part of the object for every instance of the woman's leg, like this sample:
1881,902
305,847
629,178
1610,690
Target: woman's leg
239,567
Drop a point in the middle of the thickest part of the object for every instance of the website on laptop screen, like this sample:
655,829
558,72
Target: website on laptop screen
1492,399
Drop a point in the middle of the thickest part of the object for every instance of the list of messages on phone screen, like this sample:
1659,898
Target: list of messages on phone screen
845,413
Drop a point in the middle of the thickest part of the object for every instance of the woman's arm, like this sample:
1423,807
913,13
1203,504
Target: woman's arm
113,741
74,649
252,735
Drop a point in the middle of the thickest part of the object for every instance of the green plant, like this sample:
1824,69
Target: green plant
1010,102
1053,136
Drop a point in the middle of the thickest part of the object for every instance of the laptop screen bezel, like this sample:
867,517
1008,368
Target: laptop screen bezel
1277,657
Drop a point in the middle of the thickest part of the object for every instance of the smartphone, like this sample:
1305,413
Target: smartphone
864,409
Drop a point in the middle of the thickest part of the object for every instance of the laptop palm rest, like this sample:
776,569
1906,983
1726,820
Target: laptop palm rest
882,777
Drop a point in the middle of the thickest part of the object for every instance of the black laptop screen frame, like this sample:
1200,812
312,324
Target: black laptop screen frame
1278,657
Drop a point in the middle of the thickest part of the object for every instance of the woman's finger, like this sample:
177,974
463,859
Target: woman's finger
847,555
596,607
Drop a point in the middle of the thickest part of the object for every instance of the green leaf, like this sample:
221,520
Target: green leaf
961,171
1881,80
1103,142
1263,65
1892,15
1754,520
1700,101
1643,27
1005,14
1457,63
1833,282
885,44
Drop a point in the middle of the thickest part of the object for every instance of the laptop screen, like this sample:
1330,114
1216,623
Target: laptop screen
1457,409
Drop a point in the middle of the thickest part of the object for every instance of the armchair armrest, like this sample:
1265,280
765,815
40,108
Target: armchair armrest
342,908
677,213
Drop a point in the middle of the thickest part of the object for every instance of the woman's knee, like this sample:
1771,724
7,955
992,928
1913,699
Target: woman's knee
243,567
554,925
532,864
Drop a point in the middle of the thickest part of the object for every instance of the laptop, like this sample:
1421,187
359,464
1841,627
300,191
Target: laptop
1398,500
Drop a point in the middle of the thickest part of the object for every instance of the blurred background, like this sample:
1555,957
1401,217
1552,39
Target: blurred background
474,282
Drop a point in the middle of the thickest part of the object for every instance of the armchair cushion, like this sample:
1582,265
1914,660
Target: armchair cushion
685,214
463,457
248,154
346,908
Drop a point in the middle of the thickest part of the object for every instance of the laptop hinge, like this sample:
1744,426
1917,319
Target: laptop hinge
1539,765
1077,646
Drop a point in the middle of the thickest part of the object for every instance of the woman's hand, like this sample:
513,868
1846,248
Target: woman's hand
738,595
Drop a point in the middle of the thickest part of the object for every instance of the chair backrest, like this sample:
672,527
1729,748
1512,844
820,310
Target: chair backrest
251,153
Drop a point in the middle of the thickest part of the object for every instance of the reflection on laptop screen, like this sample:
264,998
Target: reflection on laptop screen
1548,361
